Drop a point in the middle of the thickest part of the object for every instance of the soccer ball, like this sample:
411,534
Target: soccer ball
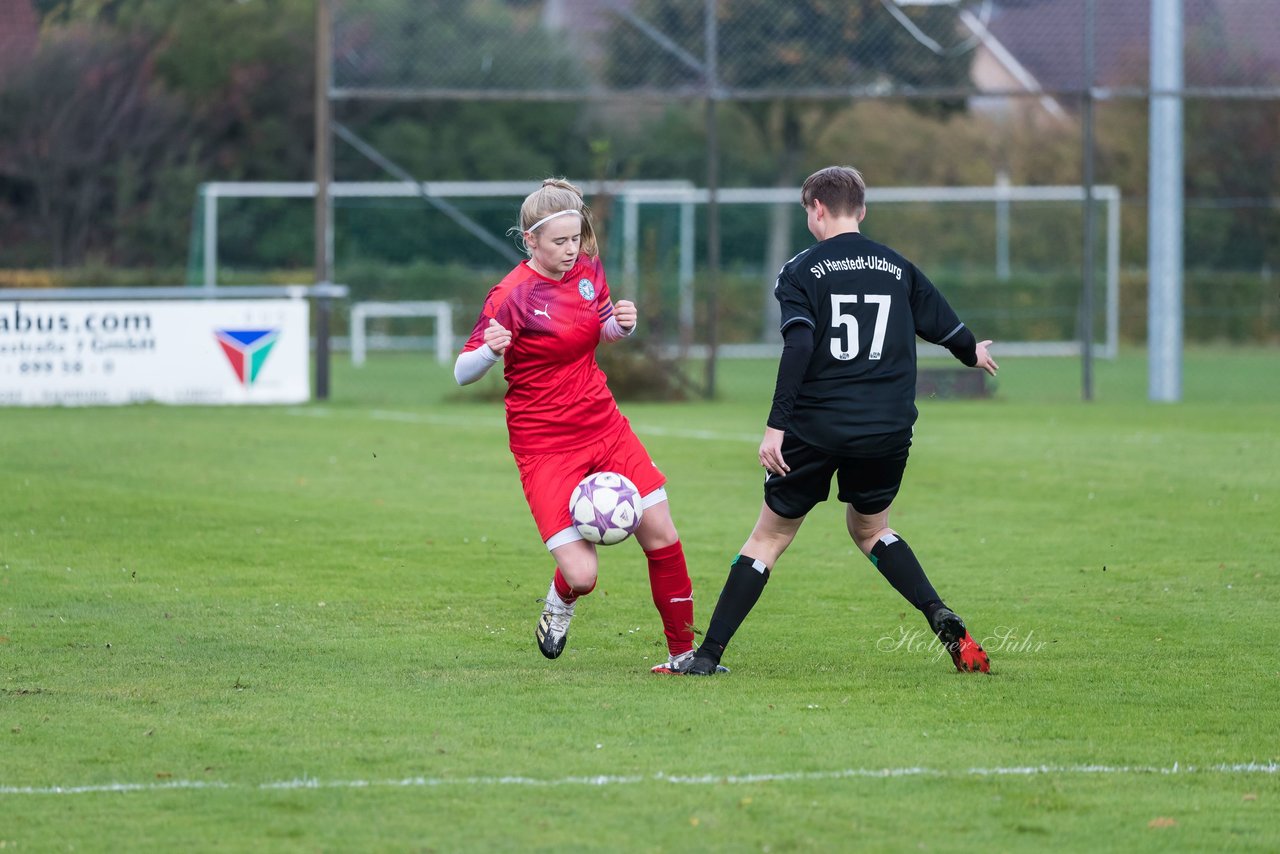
605,507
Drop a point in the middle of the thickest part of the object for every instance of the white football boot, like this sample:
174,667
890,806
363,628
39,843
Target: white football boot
553,625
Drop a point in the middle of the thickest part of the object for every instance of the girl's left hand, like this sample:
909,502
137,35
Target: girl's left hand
625,311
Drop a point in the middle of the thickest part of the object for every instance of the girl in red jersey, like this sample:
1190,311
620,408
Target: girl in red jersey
544,321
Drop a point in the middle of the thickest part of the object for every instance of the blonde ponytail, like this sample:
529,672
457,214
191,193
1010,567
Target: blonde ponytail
555,196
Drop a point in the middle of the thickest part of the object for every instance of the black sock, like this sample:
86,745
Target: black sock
897,563
742,589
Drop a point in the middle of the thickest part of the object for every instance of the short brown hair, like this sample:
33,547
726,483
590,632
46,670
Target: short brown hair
841,188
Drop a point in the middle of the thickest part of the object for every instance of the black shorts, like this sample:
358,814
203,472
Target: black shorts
868,483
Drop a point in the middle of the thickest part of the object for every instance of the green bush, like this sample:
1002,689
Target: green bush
1219,307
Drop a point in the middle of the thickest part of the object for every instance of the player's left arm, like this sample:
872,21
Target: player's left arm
621,323
624,312
985,362
617,320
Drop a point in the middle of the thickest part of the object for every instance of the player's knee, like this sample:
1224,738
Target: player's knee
657,537
583,588
581,578
766,548
867,538
657,530
579,567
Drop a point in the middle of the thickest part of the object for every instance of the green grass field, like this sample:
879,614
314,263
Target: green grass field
311,628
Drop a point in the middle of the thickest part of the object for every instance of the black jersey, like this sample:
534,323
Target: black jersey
865,304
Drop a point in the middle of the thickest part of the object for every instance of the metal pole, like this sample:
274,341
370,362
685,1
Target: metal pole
1113,274
323,203
630,245
713,197
1086,292
1165,205
687,242
1002,226
210,236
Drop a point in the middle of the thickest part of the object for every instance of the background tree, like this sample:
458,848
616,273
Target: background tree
767,46
130,104
81,126
442,45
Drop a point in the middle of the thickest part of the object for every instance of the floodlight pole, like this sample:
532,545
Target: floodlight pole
1165,205
323,203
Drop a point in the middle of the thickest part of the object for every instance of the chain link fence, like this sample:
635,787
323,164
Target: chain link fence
761,49
758,93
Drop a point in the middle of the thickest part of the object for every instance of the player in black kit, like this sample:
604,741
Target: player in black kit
844,405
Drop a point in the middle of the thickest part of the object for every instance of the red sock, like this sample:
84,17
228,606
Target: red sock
567,593
673,595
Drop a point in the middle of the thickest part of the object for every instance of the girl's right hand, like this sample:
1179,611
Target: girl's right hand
497,337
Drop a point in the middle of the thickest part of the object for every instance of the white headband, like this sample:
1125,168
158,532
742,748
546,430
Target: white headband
534,227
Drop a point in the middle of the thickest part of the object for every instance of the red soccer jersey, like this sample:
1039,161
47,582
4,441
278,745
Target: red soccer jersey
557,398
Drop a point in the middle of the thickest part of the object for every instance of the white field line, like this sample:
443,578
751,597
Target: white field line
674,779
452,420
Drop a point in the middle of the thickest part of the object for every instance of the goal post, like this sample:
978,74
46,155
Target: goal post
1000,196
682,209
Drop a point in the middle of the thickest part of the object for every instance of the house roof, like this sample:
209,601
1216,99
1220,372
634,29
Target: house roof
589,16
1228,42
1251,32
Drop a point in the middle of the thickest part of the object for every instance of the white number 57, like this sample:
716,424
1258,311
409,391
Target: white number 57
848,348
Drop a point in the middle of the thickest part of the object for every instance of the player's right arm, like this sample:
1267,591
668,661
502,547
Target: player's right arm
797,350
488,341
497,337
771,452
474,364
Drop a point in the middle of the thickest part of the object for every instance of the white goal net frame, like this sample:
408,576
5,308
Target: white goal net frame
631,196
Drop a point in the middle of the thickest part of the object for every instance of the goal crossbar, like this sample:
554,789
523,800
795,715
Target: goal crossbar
632,195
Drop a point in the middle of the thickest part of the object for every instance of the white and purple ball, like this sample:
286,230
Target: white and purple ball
605,507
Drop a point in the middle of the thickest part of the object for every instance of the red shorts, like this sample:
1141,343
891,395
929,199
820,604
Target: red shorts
549,479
